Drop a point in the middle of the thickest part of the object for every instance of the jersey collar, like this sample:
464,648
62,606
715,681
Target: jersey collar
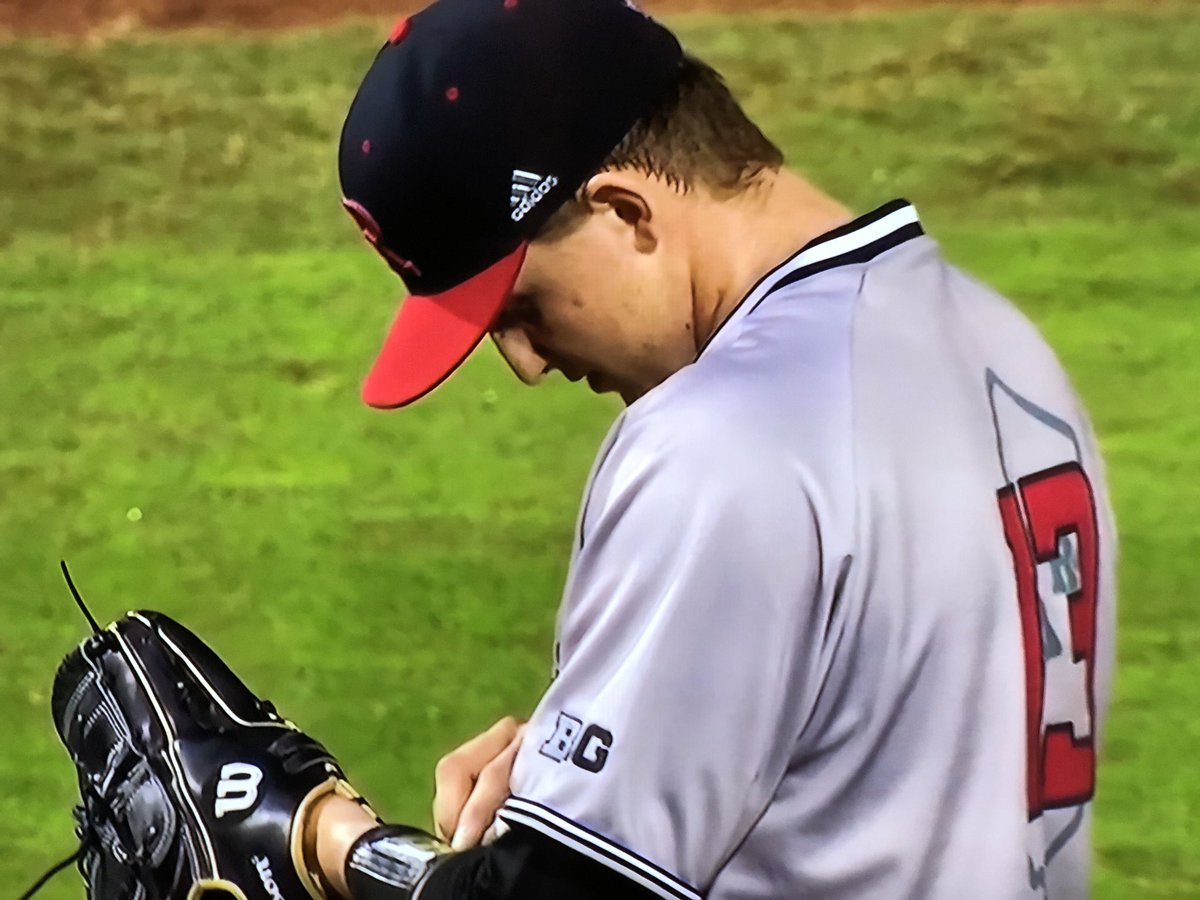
854,243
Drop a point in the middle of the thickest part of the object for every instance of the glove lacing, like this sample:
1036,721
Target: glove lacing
95,807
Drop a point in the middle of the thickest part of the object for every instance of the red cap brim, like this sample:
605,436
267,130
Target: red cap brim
432,336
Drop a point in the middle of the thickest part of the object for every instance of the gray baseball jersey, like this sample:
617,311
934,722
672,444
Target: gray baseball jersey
840,615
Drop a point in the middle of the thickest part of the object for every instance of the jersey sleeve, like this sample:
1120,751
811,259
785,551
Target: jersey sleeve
688,645
525,865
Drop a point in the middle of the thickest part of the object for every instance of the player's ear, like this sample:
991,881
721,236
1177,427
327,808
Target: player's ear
625,198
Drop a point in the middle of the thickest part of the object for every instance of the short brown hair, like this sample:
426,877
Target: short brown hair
698,134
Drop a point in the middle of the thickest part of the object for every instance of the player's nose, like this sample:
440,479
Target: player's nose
519,352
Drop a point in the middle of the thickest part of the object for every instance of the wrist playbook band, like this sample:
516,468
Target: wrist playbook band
392,862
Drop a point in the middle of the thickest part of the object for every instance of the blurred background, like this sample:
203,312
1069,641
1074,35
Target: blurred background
186,312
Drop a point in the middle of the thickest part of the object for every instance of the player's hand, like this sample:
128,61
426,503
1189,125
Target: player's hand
472,783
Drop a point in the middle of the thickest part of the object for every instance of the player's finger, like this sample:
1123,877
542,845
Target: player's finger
456,772
488,795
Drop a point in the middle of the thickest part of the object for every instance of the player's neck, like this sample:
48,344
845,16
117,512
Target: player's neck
741,240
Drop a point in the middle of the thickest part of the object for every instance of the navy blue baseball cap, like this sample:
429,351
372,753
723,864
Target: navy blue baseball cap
477,120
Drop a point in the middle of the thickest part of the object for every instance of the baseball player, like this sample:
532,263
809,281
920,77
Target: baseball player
839,620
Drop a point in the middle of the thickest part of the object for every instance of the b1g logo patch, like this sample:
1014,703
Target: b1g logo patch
586,747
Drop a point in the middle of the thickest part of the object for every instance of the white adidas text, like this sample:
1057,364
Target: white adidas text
533,198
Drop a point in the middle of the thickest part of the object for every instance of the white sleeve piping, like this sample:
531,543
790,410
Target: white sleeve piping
637,869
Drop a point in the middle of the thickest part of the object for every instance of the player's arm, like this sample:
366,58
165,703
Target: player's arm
365,861
692,646
693,625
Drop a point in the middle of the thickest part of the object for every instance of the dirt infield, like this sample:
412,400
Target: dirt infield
76,16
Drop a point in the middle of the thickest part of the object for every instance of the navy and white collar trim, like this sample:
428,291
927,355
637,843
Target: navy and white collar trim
854,243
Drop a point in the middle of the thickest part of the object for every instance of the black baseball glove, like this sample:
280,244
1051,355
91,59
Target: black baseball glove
191,786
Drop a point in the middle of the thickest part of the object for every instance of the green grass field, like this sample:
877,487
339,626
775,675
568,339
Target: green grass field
185,313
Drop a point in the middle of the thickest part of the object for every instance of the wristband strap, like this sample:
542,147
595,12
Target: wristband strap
392,862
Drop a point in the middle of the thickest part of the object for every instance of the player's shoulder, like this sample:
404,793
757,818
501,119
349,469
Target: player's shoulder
703,414
772,396
679,437
778,374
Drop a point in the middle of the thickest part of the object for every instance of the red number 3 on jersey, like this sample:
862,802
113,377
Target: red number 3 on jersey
1050,525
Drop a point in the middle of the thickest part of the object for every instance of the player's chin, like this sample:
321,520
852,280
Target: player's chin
599,384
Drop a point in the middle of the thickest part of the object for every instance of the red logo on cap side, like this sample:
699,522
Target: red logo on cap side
399,31
371,231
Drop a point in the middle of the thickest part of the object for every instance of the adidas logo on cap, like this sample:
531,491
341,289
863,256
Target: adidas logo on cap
528,189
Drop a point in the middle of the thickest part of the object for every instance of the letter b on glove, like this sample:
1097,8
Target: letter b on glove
238,788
